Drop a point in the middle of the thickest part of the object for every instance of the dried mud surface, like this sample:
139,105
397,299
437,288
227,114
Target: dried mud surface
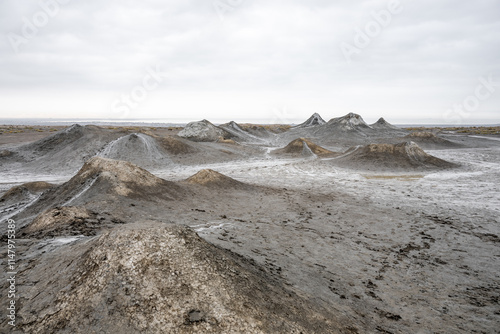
286,245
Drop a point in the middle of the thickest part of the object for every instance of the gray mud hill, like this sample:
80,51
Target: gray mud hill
314,120
240,135
105,184
259,132
212,179
406,156
175,150
159,278
343,132
137,148
383,125
63,152
352,124
24,192
175,145
113,191
303,147
68,221
430,141
204,131
20,196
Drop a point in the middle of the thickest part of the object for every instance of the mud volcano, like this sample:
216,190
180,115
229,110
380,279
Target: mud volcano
68,221
303,147
156,278
212,179
64,151
429,140
314,120
349,122
105,184
406,156
383,125
241,135
25,192
138,148
204,131
16,198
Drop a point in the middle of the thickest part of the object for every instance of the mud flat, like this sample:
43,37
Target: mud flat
329,227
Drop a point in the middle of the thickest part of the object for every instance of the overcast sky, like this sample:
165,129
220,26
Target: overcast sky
269,61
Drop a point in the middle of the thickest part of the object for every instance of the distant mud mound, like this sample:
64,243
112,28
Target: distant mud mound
382,124
314,120
64,151
350,129
241,135
137,148
349,122
67,221
343,132
63,137
388,157
303,147
430,140
145,278
75,137
263,131
176,146
212,179
203,131
221,140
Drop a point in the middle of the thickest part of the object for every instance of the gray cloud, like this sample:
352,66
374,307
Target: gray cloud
261,56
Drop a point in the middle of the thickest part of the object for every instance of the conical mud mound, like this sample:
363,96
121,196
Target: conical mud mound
176,146
240,135
430,140
122,177
25,191
68,221
137,148
303,147
382,124
203,131
149,278
212,179
314,120
348,122
350,128
64,151
403,156
16,198
109,183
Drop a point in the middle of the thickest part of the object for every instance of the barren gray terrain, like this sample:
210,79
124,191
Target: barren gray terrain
328,227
